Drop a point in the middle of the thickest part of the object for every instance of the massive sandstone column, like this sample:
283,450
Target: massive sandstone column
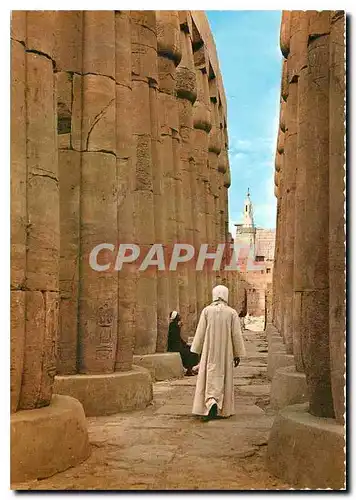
128,275
215,145
34,230
95,135
337,212
35,248
290,167
186,89
89,187
311,262
169,56
144,75
282,182
202,127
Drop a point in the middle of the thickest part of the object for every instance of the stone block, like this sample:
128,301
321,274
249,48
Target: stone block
289,387
93,117
106,394
40,33
99,42
162,366
48,440
278,359
307,451
69,41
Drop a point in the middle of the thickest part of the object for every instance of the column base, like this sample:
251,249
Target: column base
278,359
307,451
289,387
272,332
108,393
162,366
48,440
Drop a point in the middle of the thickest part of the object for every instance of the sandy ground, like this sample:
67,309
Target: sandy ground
165,448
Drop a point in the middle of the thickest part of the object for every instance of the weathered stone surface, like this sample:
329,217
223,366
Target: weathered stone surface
162,366
99,289
40,29
69,41
69,175
42,176
278,359
337,296
99,42
48,440
18,163
110,393
289,387
39,363
17,342
299,463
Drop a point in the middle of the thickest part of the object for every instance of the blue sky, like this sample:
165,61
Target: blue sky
250,61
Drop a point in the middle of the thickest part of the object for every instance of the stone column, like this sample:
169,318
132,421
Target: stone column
277,270
35,249
227,252
215,144
128,276
186,89
311,266
275,294
34,230
202,127
94,134
299,43
336,212
169,56
69,60
282,191
223,182
144,75
294,63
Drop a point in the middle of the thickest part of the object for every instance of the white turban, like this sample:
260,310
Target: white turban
174,314
221,292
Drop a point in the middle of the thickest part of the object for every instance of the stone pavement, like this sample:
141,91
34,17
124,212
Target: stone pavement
165,448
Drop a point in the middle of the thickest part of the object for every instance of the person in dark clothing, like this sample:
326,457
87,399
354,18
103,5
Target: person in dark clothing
242,319
177,344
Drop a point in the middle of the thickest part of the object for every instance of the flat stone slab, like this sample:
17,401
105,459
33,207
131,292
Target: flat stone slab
257,390
243,371
186,381
176,409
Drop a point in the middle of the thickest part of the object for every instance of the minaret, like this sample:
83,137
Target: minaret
245,232
248,212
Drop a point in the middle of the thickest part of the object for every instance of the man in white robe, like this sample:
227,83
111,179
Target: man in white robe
219,340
